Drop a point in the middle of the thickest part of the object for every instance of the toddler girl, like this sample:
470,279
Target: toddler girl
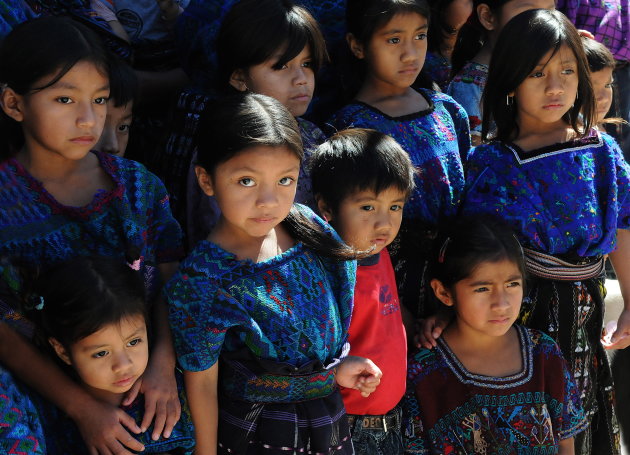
563,187
260,310
389,37
92,312
489,386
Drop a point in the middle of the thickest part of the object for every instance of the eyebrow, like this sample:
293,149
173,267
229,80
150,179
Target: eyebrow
254,171
99,346
482,282
372,198
395,30
68,86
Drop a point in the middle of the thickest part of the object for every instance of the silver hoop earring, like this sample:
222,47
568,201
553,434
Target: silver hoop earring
509,100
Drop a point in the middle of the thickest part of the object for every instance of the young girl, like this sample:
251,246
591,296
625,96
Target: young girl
283,66
59,201
563,187
389,36
92,313
489,386
472,52
602,64
260,310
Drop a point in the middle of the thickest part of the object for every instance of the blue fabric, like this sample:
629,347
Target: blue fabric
38,230
435,140
21,431
294,308
568,198
12,13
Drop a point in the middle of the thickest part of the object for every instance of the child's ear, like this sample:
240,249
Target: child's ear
441,292
323,208
238,80
60,350
11,104
355,46
486,18
205,181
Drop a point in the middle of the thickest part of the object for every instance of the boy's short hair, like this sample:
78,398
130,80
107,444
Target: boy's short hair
359,159
123,83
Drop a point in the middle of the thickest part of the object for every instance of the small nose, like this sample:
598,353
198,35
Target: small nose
86,116
300,76
384,220
267,196
500,298
108,142
555,84
122,362
410,51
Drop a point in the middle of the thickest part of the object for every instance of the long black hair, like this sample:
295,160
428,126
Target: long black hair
254,31
522,43
35,55
241,121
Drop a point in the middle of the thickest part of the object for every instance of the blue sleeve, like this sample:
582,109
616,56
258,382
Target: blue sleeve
462,127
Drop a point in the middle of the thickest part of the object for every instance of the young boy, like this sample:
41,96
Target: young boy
361,180
123,89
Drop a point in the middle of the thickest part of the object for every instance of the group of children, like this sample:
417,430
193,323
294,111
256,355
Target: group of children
285,329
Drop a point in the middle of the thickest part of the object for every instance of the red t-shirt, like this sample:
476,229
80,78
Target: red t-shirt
377,332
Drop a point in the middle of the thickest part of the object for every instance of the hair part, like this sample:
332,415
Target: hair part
254,31
521,45
83,295
359,159
43,49
470,241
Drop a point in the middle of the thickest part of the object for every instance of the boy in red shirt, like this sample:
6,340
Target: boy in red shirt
361,181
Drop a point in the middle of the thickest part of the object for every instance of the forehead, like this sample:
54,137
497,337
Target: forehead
494,271
391,193
262,159
404,21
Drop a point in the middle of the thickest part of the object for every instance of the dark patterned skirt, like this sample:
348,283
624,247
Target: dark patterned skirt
572,312
280,412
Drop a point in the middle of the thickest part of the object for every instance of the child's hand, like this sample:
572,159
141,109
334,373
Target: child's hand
617,335
102,427
161,399
360,374
430,329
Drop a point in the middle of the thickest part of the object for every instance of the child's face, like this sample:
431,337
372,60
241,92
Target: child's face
602,81
254,189
366,219
395,53
292,85
548,92
112,359
115,134
66,119
489,300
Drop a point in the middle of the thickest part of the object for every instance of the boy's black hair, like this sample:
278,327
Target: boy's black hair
123,83
521,45
359,159
254,31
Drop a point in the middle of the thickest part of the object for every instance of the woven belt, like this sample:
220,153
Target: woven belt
552,268
239,383
369,422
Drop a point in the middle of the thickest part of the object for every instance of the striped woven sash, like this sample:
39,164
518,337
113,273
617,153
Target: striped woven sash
552,268
240,383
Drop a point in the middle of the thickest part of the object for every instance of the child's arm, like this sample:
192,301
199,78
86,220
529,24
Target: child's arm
158,381
102,426
201,388
620,259
358,373
566,447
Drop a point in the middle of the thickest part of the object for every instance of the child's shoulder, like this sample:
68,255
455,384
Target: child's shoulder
351,113
436,98
422,363
128,170
540,341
